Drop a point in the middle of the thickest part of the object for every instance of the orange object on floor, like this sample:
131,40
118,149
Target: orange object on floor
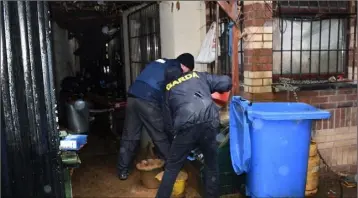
221,98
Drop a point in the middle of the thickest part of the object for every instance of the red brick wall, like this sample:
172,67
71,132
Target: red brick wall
256,14
257,22
258,59
337,136
341,103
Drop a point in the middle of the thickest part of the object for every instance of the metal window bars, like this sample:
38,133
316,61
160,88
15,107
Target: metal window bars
224,59
144,37
313,45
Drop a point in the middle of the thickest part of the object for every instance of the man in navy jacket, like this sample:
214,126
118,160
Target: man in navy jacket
144,109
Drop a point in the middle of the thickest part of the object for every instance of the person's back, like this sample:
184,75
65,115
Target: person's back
149,83
144,109
189,98
195,119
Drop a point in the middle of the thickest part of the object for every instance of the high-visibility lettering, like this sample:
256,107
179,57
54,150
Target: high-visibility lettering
195,75
188,76
181,79
175,82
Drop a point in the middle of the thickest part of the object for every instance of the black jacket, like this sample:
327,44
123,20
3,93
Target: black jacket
188,99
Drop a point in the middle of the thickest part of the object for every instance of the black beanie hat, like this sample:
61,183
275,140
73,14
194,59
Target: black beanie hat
186,59
172,73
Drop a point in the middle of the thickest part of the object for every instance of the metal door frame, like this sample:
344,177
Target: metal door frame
34,167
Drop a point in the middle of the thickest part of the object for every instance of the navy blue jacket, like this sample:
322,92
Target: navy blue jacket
149,85
188,99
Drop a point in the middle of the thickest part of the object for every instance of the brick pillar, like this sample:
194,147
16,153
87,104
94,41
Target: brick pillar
257,47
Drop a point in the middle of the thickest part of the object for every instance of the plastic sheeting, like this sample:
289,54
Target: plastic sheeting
240,142
28,102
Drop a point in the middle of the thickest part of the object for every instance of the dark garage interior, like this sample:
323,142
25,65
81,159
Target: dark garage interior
100,79
84,46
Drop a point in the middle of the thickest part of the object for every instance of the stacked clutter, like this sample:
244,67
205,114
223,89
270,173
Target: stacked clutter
312,170
230,182
349,181
69,147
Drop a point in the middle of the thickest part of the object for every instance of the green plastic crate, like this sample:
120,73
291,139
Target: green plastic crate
230,183
68,183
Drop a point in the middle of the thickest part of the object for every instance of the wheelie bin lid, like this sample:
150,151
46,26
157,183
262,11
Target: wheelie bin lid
283,111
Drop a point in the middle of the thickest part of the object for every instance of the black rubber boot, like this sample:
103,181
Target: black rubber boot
123,175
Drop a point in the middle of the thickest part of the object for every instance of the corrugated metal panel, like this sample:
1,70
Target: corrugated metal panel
28,102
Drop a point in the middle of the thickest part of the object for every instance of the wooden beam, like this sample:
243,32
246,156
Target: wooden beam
235,49
235,61
235,10
228,8
232,11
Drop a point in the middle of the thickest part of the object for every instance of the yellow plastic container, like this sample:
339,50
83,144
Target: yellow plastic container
179,185
313,148
312,171
179,188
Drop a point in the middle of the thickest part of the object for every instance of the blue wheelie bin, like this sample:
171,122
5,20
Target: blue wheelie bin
269,141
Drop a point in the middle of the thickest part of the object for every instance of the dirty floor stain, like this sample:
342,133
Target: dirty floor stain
97,175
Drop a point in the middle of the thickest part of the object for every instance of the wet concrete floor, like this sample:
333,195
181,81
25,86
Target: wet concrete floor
97,175
329,186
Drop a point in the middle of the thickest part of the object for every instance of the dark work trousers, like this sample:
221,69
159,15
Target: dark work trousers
139,114
204,137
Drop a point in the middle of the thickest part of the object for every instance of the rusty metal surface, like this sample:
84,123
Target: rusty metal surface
30,137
